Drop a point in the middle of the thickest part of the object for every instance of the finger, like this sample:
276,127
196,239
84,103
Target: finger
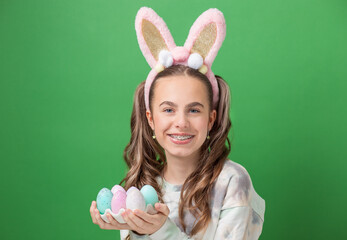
99,220
161,207
92,213
145,216
117,224
129,220
103,224
139,221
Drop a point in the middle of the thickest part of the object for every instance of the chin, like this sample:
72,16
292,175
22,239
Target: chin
181,154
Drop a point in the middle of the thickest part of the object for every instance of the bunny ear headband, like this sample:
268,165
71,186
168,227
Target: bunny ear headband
199,51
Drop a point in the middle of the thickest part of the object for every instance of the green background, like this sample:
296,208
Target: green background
68,73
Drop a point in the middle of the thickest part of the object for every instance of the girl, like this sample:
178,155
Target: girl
179,145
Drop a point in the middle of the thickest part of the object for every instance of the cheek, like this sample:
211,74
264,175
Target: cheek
201,123
161,123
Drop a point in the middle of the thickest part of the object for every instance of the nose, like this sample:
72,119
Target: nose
182,120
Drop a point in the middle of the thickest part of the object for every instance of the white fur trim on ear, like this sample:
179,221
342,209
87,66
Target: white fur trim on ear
195,60
165,58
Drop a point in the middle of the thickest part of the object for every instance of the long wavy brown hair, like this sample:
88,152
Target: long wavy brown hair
146,158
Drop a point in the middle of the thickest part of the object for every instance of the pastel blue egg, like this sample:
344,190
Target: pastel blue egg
103,200
150,195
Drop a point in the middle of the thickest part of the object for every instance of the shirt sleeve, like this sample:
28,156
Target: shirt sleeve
169,231
133,235
239,223
241,215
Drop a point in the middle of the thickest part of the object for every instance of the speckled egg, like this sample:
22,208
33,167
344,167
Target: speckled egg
119,199
103,200
131,189
149,194
117,188
135,199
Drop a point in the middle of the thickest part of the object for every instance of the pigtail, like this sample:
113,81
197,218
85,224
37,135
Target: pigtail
143,156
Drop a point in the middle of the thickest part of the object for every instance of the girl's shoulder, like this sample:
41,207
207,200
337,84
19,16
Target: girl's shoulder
234,176
233,169
236,184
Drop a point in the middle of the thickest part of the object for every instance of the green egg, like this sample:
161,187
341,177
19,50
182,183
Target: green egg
103,200
150,195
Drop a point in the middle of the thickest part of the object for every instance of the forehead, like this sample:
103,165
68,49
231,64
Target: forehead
180,89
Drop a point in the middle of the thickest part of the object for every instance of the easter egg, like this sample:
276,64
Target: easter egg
149,194
135,199
131,189
118,200
103,200
117,188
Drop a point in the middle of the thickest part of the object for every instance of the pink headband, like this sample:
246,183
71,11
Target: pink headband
199,51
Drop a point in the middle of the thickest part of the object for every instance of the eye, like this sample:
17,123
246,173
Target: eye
195,110
168,110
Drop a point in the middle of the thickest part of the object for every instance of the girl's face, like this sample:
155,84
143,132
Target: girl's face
180,115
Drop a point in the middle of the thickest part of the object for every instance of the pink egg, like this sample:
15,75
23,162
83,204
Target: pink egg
117,188
118,201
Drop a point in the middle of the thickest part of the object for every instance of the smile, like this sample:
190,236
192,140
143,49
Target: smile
181,137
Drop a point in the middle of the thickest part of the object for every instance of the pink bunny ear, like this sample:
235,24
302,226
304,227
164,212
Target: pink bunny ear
207,35
152,34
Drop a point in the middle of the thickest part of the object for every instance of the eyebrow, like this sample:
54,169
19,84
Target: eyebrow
193,104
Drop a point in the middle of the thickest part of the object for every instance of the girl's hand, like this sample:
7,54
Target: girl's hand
144,223
114,224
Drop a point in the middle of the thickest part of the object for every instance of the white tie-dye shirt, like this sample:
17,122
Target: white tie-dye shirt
237,210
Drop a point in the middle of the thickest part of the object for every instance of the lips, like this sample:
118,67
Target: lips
181,134
181,138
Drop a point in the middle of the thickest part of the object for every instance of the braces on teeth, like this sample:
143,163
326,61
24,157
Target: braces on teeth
181,137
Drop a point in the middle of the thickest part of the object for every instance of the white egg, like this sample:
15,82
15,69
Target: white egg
135,199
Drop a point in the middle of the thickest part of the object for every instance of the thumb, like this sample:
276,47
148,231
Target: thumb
161,207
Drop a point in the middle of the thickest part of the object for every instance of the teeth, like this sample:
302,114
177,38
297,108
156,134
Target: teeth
181,137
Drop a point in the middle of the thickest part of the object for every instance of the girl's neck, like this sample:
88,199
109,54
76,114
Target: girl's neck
177,170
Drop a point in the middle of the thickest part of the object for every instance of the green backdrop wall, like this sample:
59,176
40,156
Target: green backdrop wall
68,73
